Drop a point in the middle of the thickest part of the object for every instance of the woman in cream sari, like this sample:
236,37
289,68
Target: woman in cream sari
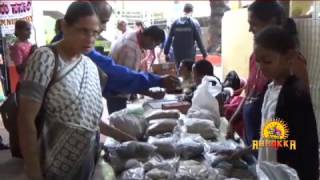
64,84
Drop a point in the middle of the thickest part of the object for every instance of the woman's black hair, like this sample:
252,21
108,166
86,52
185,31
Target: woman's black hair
203,67
188,64
276,39
232,80
77,10
265,11
291,27
155,33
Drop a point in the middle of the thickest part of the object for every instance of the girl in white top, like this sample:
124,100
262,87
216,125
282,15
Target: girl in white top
288,99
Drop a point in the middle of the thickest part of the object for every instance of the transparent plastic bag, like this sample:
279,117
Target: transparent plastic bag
111,156
119,164
268,171
191,169
165,146
223,146
130,120
213,152
159,168
160,126
190,146
231,168
162,114
156,174
161,163
214,159
204,114
205,128
216,174
128,155
132,163
224,161
135,150
133,174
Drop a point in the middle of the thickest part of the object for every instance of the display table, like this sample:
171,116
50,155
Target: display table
151,104
12,168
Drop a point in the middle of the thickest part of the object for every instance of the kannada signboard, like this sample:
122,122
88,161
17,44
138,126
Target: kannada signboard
11,11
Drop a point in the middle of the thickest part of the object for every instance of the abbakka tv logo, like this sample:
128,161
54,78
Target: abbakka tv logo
275,135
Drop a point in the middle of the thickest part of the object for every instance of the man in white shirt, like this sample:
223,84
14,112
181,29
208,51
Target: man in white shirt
122,26
128,49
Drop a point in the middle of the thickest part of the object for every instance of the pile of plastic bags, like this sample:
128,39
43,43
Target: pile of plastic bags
176,147
173,155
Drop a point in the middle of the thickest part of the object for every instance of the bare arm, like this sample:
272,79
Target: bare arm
237,113
115,133
233,119
28,110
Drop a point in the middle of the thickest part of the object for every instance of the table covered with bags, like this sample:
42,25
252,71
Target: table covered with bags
172,145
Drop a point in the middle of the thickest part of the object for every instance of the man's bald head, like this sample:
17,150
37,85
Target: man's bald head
103,10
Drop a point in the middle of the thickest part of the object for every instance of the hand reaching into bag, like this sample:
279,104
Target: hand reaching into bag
115,133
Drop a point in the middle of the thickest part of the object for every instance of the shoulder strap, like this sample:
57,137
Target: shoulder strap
55,69
54,77
39,121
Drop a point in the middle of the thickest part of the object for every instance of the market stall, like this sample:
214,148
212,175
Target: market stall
172,145
175,145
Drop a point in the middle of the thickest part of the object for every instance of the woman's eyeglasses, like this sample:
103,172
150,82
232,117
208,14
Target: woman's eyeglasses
87,32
